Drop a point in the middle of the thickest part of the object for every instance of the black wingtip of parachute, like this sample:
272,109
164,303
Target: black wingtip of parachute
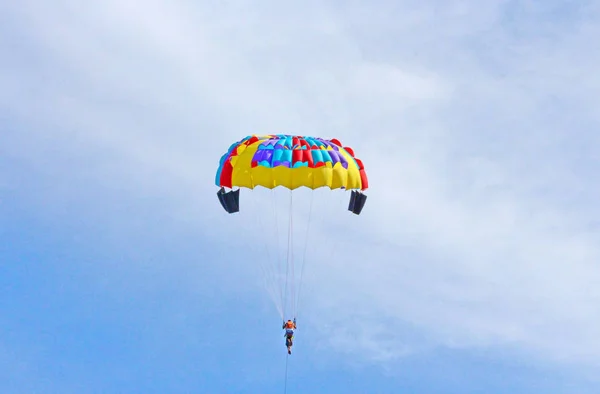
357,202
230,201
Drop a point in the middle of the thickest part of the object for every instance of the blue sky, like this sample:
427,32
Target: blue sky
473,268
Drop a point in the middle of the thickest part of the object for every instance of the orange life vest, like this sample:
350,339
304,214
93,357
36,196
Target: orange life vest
289,324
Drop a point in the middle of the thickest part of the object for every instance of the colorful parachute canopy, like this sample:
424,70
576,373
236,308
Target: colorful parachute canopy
290,161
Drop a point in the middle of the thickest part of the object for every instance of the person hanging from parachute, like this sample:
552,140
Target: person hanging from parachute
289,161
289,327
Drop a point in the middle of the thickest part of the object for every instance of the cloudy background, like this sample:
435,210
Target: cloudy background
474,267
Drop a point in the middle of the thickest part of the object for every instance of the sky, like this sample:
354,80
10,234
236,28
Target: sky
473,268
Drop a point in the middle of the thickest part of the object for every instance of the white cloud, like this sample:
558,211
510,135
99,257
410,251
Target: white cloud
472,234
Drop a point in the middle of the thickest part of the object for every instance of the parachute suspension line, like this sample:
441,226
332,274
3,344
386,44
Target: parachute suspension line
287,265
291,249
303,262
269,267
278,253
287,357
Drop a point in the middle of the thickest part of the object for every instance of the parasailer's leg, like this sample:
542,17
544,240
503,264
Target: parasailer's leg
289,340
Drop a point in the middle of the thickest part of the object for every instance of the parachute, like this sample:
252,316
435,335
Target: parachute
289,162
